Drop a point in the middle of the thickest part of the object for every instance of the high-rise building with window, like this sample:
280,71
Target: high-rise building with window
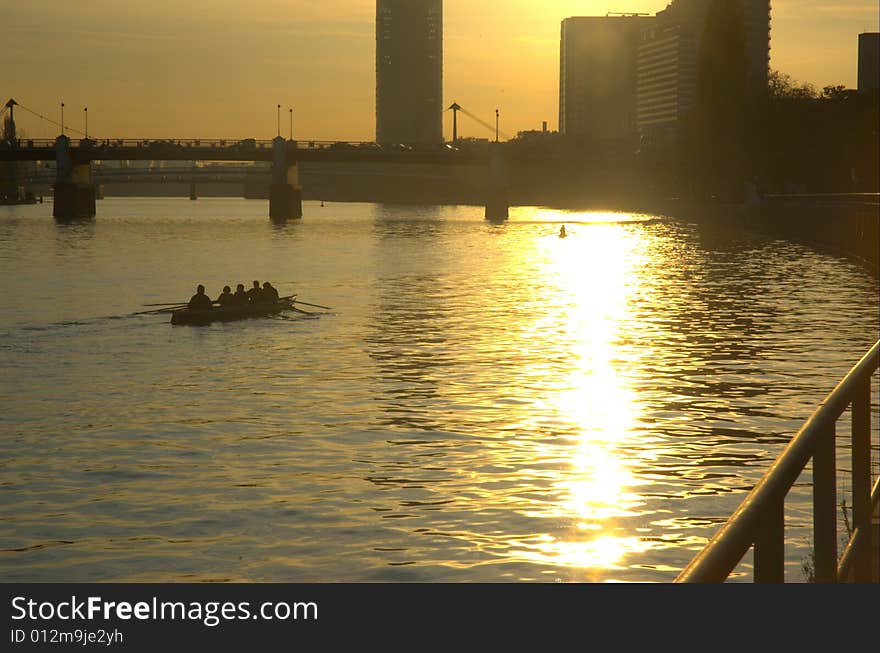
597,76
869,62
667,63
409,71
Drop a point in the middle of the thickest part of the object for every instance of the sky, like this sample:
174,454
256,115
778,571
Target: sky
220,68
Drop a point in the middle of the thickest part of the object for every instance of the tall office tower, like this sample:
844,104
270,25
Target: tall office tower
409,71
690,16
665,82
668,61
597,75
869,62
756,15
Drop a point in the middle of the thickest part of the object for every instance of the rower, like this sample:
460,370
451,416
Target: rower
269,293
226,298
200,301
255,294
240,297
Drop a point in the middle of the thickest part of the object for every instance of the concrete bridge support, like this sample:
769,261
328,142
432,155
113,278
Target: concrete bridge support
497,192
285,193
74,185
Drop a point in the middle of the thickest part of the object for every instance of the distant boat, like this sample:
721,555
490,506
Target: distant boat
230,313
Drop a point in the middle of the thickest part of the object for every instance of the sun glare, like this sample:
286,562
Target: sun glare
591,274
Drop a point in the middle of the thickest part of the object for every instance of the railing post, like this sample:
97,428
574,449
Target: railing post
825,509
861,479
770,545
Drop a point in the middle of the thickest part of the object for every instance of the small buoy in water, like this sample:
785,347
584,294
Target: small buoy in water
562,233
322,202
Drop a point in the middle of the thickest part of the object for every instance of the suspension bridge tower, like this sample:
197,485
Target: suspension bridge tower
9,191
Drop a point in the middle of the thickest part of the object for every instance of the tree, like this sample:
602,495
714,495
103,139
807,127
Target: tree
783,86
834,92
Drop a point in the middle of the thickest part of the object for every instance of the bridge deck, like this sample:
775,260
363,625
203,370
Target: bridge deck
247,150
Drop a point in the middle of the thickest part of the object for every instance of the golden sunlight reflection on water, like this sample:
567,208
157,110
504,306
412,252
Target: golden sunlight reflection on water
595,277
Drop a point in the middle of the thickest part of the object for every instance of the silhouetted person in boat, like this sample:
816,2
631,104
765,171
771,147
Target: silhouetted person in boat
269,293
562,233
255,294
226,298
200,301
240,297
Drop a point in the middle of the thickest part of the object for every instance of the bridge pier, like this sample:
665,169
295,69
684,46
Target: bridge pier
74,185
497,193
285,202
285,194
497,203
73,201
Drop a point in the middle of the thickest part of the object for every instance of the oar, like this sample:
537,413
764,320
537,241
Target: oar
315,305
168,304
169,309
299,310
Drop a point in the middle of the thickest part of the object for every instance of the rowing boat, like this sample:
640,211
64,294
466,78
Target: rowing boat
230,313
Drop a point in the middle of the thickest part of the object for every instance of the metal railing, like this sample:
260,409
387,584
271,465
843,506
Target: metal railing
760,522
243,144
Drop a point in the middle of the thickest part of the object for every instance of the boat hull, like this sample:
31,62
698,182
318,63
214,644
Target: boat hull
228,313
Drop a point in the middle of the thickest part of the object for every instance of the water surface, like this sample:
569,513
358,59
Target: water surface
484,402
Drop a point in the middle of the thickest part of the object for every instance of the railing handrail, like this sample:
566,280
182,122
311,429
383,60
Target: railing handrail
226,143
727,548
847,560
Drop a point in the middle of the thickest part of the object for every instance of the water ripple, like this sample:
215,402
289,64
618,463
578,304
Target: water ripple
482,403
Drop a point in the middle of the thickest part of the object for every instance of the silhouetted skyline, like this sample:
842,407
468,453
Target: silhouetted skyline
162,69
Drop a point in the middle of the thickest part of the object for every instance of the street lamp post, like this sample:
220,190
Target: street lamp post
496,125
62,118
291,124
86,111
279,120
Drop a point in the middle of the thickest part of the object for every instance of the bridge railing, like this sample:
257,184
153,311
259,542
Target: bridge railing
759,521
245,144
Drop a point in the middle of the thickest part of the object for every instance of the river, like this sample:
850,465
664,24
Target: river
482,402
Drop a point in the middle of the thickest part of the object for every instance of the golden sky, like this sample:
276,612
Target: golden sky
219,68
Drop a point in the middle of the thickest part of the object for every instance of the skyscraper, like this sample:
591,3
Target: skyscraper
690,16
597,76
668,62
409,71
869,62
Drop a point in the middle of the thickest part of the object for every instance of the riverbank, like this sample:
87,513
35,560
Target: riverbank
847,224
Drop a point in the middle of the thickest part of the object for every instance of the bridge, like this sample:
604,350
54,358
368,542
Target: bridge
75,185
255,178
330,181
